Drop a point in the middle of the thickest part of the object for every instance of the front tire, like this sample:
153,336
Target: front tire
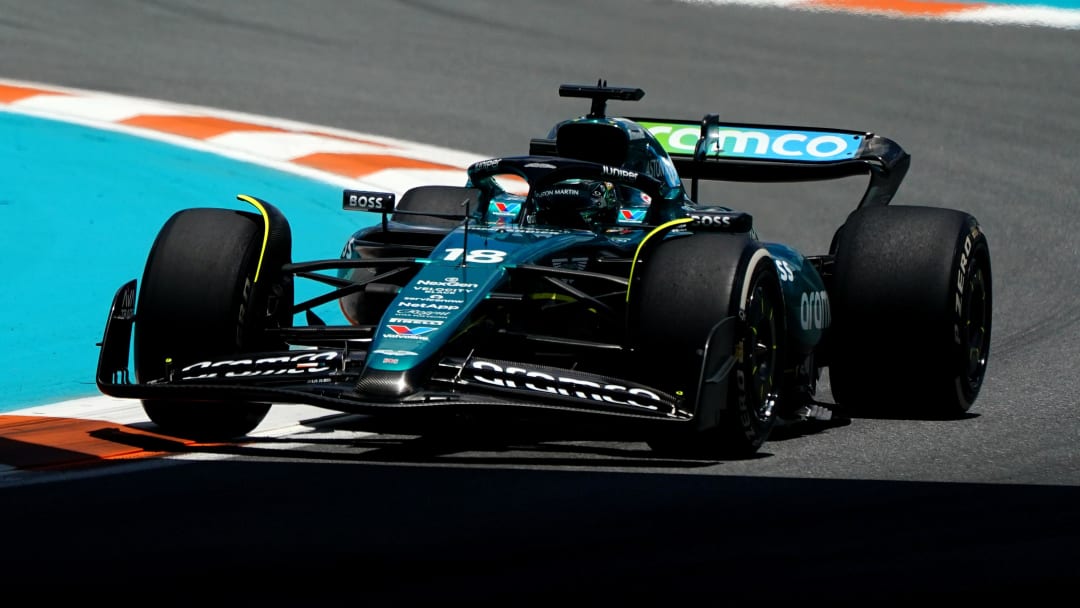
688,287
912,303
199,299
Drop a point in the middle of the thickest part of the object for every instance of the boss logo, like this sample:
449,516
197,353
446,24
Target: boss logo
720,220
711,220
357,200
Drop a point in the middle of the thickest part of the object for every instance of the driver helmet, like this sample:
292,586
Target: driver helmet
576,204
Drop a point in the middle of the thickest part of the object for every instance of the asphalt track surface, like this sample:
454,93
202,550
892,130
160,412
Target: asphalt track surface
878,510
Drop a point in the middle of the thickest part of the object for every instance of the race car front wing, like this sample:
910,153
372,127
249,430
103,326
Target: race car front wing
334,378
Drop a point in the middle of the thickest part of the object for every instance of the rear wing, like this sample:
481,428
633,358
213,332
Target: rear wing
744,152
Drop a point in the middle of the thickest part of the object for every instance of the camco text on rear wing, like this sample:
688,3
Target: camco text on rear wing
709,149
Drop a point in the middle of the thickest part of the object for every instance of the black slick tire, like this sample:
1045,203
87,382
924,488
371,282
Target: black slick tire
688,286
912,303
435,199
198,299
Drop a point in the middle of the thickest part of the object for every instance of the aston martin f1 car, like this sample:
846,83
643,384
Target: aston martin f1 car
581,285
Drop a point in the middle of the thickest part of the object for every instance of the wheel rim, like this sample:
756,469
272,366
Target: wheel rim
762,347
976,327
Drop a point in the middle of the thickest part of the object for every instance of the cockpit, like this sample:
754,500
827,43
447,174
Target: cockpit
617,142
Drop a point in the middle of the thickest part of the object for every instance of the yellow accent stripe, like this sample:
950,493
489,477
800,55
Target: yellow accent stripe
637,253
555,297
266,229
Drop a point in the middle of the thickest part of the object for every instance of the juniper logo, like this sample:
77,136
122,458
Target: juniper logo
619,172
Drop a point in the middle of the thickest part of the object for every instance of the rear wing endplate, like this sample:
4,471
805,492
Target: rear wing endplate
745,152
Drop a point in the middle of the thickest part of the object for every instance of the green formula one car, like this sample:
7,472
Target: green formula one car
580,286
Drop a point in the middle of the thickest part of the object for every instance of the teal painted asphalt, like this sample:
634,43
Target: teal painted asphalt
79,210
1074,4
1067,4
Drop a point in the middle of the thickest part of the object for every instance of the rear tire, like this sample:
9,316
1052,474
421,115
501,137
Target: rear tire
198,299
688,286
435,199
912,304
